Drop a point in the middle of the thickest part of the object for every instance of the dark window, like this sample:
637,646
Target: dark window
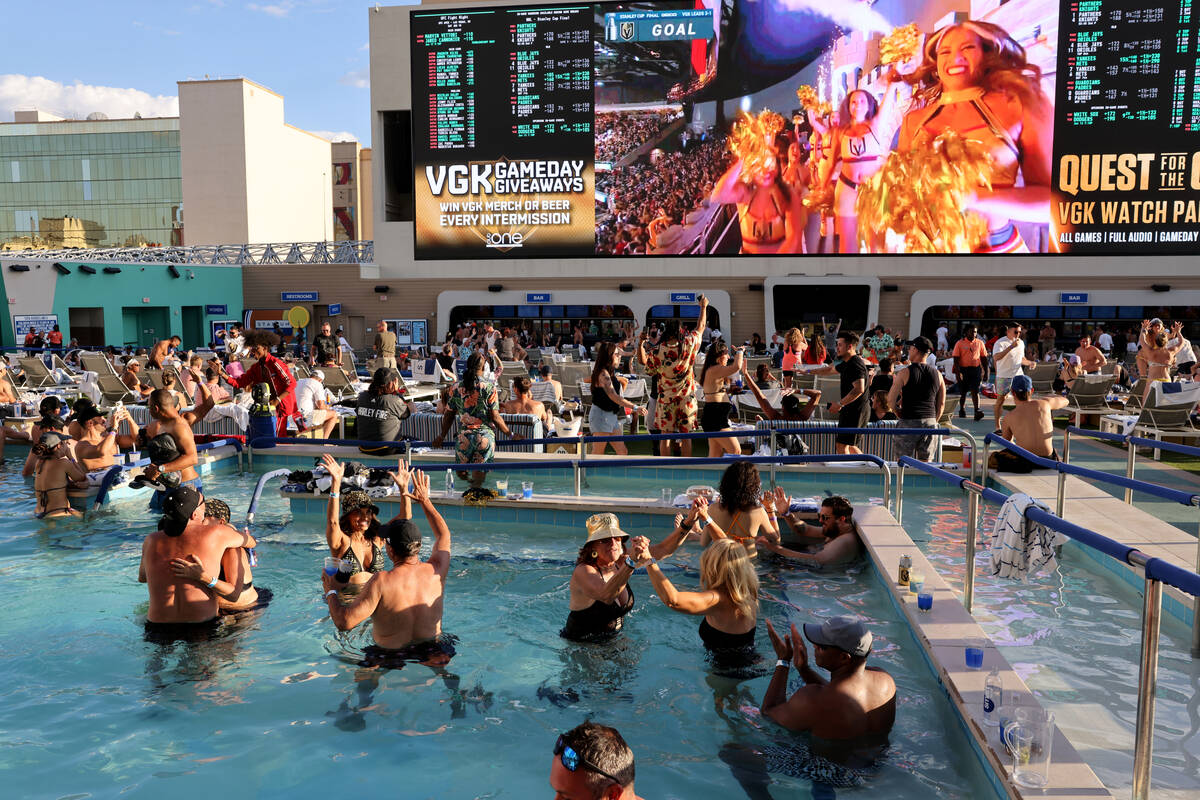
799,305
398,166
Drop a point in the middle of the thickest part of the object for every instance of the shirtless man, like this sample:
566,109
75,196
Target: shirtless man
131,377
524,404
167,419
180,562
404,603
856,703
160,351
1090,357
1028,425
836,535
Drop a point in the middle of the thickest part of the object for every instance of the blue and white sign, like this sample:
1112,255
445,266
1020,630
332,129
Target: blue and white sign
537,297
683,297
658,26
335,309
23,323
1077,298
298,297
216,309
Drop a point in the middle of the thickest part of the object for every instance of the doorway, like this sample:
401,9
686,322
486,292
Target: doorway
193,327
87,326
356,333
145,325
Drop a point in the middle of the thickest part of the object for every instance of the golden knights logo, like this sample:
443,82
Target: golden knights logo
627,31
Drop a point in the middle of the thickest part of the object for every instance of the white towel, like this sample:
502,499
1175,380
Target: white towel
91,387
1020,547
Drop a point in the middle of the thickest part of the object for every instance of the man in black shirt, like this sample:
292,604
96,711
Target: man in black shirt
852,409
919,396
324,348
380,410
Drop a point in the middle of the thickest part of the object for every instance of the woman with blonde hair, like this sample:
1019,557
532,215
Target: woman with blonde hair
728,599
794,347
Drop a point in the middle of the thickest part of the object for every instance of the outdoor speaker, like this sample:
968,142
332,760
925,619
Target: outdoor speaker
495,287
60,269
1024,288
626,287
18,267
112,270
174,270
381,289
84,268
1161,287
755,287
889,287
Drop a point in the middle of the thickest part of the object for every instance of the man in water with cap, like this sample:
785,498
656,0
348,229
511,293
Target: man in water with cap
404,603
180,566
1028,425
856,702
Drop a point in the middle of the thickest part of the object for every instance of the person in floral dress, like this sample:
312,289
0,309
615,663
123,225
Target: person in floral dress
672,363
474,402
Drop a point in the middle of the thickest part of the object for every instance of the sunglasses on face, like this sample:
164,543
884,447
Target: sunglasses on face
824,517
571,759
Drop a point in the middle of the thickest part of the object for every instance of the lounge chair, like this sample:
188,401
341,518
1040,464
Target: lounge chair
1160,418
112,390
337,382
36,374
97,363
1043,375
1088,395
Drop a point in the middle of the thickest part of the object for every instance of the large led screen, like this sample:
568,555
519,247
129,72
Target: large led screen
806,127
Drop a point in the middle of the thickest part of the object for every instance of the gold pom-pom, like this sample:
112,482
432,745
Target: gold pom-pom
808,98
900,45
914,203
752,141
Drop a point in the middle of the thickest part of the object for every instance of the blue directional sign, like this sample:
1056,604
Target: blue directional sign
216,309
298,297
537,297
335,309
1073,297
683,297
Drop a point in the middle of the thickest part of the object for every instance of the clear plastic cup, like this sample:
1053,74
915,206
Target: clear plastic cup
332,565
527,489
974,653
925,601
668,496
502,487
916,581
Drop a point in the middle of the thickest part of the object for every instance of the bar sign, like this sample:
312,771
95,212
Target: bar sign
537,297
1073,297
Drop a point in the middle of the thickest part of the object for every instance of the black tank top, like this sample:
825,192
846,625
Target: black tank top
917,395
602,401
597,620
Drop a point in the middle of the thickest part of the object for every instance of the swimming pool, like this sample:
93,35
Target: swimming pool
273,708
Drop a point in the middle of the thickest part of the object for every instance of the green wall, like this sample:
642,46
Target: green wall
120,294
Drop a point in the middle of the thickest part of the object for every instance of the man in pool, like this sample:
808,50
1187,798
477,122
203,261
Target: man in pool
836,538
404,603
180,565
856,703
169,435
592,762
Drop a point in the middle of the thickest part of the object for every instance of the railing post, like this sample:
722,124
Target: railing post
579,474
983,465
1066,447
1196,605
1062,494
407,452
972,532
899,494
774,450
1130,459
1143,746
886,472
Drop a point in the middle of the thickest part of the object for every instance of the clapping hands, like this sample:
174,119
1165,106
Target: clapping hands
790,647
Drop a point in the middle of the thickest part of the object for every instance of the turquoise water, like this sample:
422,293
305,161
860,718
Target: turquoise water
273,708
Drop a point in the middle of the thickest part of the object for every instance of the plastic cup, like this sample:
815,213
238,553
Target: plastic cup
502,487
974,653
925,601
916,581
527,489
332,565
668,497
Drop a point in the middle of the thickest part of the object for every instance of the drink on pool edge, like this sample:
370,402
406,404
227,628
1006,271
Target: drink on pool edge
993,698
974,653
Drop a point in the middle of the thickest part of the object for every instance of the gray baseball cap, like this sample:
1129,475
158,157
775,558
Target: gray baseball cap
845,633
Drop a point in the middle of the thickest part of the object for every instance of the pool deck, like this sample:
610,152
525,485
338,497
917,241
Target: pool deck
941,633
1096,509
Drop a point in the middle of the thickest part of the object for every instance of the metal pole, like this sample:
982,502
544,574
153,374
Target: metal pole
1131,457
1066,448
899,494
972,526
1196,606
579,476
578,479
774,450
407,452
1143,746
887,484
983,465
1062,494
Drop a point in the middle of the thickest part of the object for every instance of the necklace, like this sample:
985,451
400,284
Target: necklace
960,95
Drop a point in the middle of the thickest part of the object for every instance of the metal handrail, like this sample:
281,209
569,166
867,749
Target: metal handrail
1131,444
1155,572
357,252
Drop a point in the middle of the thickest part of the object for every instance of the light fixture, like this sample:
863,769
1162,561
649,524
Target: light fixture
755,287
889,287
112,270
174,270
85,269
1161,287
1024,288
626,287
18,267
495,287
60,269
381,289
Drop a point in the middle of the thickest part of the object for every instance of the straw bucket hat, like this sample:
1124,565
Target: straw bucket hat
603,526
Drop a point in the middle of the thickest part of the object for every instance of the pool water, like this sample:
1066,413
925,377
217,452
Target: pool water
273,707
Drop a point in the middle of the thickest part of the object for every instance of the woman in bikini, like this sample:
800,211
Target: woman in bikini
794,347
717,407
1160,357
352,527
738,515
770,212
56,469
976,81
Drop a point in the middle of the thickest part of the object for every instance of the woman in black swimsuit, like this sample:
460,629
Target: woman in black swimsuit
352,527
600,595
717,407
55,467
728,600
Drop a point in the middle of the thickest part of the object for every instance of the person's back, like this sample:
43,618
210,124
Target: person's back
410,605
310,394
1030,425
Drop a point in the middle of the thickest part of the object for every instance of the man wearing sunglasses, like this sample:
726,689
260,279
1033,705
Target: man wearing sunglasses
592,762
833,542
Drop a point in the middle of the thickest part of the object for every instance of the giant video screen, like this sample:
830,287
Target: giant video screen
798,127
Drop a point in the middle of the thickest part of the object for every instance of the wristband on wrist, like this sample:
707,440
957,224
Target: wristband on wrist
782,662
333,495
629,563
331,593
213,582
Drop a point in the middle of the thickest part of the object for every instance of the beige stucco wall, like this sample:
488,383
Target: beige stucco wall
213,162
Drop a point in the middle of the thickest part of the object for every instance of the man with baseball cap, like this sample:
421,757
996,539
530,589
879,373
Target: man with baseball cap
918,396
1028,425
180,565
856,702
405,602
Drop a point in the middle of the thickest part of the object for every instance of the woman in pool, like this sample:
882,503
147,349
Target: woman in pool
56,470
237,564
976,81
738,514
48,421
728,599
600,594
608,407
352,527
717,406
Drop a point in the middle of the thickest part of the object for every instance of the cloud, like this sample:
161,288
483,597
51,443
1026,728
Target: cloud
280,9
359,78
336,136
77,100
366,46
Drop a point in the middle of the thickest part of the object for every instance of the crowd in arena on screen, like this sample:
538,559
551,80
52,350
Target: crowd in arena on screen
619,132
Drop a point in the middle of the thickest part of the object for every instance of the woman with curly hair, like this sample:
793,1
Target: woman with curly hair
738,514
975,81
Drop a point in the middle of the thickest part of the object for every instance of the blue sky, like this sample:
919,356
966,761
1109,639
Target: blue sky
121,56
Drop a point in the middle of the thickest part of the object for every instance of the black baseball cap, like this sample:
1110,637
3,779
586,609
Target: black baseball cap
922,343
88,414
400,533
178,507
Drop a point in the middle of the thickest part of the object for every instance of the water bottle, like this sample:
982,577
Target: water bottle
993,698
966,456
449,482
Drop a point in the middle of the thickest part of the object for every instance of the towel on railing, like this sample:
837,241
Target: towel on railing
1019,546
